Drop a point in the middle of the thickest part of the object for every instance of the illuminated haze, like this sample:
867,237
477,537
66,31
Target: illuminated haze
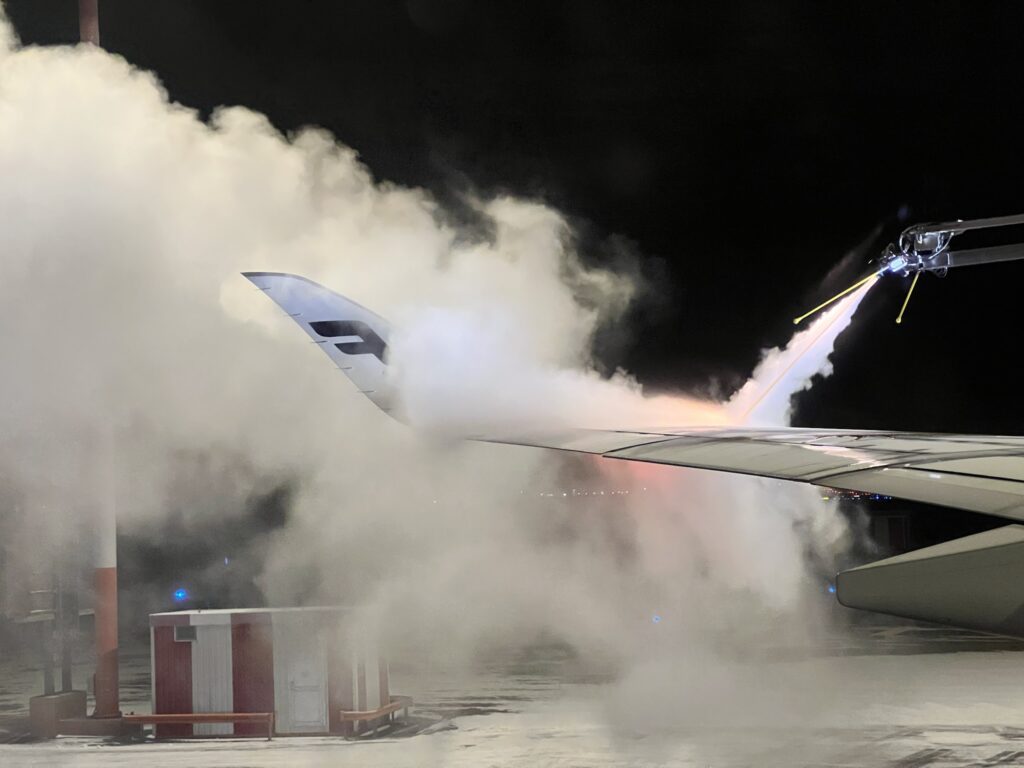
140,367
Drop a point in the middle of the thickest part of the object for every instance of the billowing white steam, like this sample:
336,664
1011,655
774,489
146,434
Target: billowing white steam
124,223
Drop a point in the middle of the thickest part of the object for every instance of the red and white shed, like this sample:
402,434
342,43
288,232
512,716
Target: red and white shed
300,663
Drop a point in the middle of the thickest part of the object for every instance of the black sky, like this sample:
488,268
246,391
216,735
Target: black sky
743,148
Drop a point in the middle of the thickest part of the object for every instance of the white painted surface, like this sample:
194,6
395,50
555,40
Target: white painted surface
372,678
211,677
204,617
105,513
300,674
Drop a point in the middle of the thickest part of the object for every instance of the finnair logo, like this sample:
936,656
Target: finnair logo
369,344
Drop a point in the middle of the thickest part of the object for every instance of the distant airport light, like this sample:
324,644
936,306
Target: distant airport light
831,589
180,595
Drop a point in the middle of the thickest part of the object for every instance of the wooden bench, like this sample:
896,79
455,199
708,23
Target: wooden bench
388,710
193,718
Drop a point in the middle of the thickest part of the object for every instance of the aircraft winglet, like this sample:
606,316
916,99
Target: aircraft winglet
355,338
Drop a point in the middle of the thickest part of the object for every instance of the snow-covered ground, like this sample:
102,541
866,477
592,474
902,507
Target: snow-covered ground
917,702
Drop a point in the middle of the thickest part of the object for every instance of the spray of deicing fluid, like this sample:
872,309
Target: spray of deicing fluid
784,371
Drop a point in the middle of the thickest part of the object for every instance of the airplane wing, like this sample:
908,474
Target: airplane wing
980,473
971,582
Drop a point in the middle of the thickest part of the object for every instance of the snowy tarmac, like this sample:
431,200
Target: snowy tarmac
900,697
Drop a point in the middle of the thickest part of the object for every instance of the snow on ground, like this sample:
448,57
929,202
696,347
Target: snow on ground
898,706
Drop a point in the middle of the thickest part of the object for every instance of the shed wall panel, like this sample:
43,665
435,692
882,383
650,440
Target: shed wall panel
339,683
211,676
172,678
252,659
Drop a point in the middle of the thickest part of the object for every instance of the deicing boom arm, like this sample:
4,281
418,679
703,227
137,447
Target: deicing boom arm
925,247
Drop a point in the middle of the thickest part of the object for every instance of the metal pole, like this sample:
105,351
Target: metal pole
106,681
67,614
105,575
46,648
89,21
105,590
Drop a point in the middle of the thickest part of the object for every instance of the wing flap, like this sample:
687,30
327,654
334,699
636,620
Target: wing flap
754,457
973,472
1007,467
583,440
993,496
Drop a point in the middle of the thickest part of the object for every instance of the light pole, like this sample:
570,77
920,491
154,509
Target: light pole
89,21
105,688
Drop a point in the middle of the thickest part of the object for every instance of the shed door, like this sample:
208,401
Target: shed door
211,676
300,667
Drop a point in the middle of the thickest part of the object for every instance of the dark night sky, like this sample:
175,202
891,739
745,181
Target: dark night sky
742,147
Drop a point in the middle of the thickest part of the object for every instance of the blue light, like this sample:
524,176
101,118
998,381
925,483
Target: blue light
180,595
831,589
656,618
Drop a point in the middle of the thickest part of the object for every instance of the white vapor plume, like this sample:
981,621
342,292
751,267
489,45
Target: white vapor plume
125,221
765,399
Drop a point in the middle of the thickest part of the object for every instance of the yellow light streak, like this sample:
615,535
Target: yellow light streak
907,300
835,298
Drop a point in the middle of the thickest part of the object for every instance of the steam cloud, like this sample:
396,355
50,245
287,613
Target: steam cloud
140,367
